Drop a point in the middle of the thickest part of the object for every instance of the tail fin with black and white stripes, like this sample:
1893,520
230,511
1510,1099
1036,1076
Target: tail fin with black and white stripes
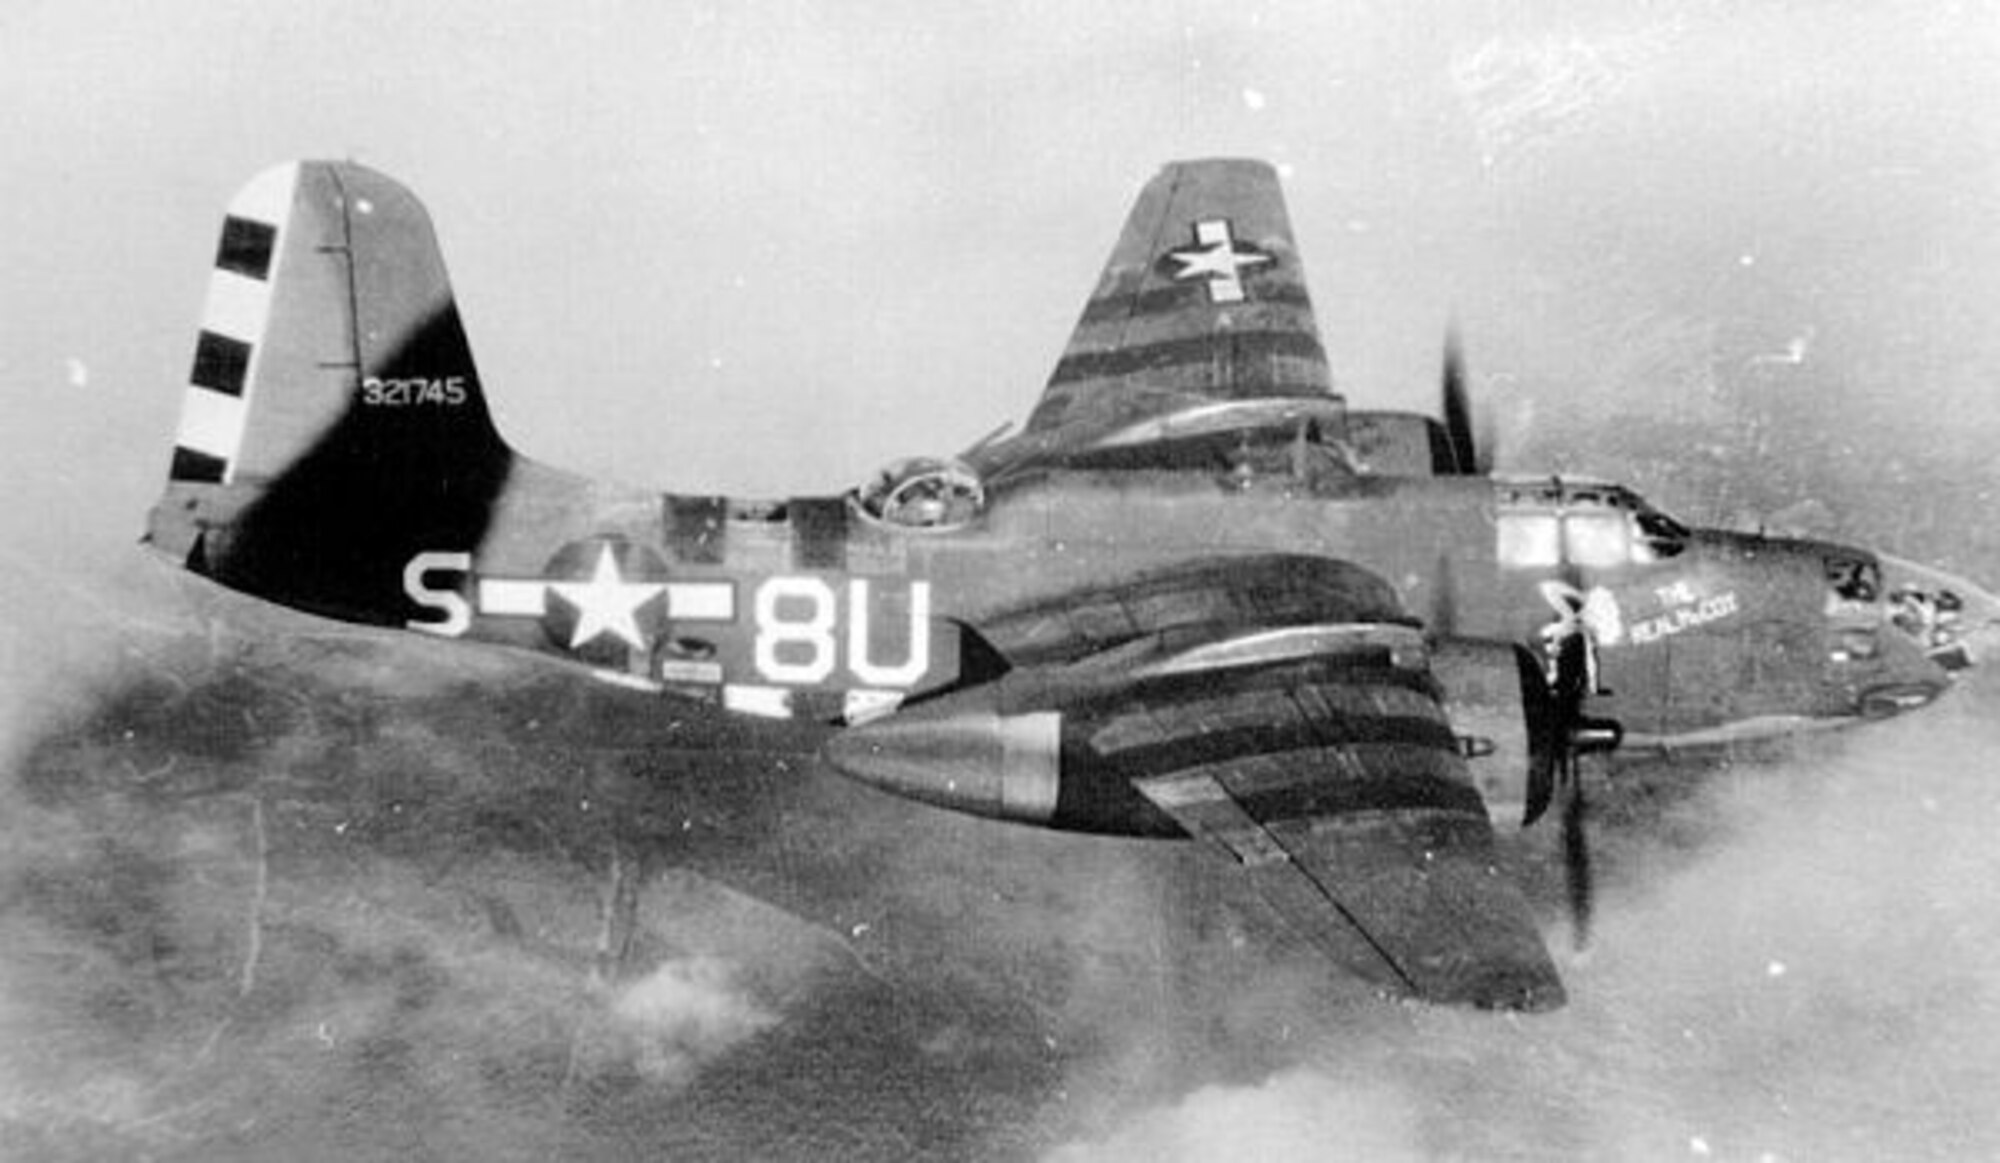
333,424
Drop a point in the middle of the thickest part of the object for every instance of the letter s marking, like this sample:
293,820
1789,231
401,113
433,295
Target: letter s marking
452,604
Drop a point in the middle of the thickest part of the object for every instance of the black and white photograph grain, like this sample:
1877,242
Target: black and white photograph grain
1027,580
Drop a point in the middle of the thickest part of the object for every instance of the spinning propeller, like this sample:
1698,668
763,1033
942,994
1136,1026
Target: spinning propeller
1554,680
1471,446
1559,735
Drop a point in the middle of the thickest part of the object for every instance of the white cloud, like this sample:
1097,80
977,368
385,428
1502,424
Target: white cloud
1301,1114
684,1013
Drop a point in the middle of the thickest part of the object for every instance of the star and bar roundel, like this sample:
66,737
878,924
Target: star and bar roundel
606,596
1217,258
607,600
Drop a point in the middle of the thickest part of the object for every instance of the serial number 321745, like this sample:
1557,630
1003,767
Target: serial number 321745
443,391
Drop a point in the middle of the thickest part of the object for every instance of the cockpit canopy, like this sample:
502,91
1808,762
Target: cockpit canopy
1547,521
923,492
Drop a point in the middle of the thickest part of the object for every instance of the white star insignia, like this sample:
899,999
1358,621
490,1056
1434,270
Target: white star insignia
607,603
1218,261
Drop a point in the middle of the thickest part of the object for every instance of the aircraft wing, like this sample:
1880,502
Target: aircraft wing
1362,830
1202,301
1336,782
1281,709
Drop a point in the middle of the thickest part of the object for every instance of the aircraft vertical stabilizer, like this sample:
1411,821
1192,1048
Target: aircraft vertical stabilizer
333,423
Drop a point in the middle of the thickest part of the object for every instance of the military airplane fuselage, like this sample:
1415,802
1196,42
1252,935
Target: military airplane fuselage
1194,596
822,608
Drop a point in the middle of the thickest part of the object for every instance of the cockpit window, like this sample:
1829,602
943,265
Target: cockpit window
1853,579
1653,523
923,493
1596,538
1657,535
1547,521
1529,538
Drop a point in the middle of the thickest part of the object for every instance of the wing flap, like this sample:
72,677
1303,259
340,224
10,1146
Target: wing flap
1422,890
1206,809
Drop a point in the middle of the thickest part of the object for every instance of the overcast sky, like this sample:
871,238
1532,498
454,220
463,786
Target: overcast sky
761,247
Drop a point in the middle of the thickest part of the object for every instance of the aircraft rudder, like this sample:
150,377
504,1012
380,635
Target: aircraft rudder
214,407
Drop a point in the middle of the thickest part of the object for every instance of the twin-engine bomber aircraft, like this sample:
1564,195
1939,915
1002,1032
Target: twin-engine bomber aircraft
1195,596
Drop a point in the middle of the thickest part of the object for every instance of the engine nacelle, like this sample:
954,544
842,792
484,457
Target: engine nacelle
999,751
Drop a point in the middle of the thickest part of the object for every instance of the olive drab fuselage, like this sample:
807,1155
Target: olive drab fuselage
814,607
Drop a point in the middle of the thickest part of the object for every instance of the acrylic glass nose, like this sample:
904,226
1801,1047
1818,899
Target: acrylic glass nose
1952,620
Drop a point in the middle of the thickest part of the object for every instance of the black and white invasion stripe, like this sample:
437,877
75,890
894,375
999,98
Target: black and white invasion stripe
225,355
